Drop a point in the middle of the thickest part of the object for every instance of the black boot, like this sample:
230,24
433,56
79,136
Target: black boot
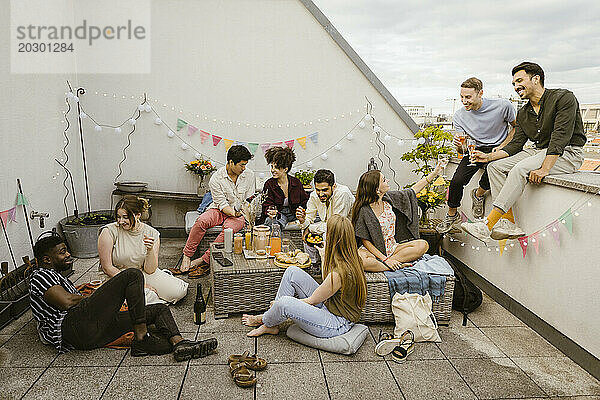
188,349
150,345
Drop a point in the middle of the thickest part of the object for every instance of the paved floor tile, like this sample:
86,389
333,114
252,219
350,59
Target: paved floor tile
146,382
559,376
365,353
456,320
374,382
231,324
281,349
430,379
228,343
467,343
490,313
213,382
14,382
26,351
90,358
29,328
165,359
296,381
17,324
520,342
4,338
71,383
496,378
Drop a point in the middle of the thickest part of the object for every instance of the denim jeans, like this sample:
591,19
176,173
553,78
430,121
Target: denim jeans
296,284
97,321
283,217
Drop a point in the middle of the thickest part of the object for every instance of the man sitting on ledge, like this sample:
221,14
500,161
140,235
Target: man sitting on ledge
67,320
551,119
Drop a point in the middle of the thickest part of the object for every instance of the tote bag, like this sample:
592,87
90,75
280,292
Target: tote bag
413,312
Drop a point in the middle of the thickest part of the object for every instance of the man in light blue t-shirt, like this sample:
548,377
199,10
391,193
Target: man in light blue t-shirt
488,122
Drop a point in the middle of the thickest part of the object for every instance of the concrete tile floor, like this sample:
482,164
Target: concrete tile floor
494,357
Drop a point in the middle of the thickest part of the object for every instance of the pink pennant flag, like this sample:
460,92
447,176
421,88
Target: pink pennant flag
265,146
463,217
523,243
554,231
191,129
289,143
12,214
277,144
4,216
204,136
535,239
216,139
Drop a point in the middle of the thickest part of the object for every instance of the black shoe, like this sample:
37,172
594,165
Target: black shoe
150,345
188,349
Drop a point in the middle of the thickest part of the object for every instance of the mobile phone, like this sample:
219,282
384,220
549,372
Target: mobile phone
219,245
225,262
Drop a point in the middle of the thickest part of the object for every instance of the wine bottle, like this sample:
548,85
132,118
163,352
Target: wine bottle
199,307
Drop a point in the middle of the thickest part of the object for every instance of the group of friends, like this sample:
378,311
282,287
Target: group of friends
374,230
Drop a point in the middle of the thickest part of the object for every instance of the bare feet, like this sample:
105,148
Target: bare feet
185,264
252,320
261,330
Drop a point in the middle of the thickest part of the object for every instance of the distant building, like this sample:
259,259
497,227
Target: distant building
590,113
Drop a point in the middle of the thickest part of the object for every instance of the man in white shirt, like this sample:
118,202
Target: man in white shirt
230,186
327,199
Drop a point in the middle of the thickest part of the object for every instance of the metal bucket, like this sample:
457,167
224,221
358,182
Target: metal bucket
82,239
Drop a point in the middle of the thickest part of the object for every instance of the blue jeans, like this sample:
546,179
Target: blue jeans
316,320
283,217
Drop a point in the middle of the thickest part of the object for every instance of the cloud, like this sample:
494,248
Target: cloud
422,50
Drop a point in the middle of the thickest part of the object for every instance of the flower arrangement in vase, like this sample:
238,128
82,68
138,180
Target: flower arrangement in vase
202,168
305,177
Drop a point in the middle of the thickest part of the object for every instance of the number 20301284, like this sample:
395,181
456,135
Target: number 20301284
44,47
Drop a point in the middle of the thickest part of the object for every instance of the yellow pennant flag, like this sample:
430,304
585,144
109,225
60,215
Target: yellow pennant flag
439,181
228,143
302,142
502,244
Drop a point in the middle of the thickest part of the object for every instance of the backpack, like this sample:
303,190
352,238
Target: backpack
467,297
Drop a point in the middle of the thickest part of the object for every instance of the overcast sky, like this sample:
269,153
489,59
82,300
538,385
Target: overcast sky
422,49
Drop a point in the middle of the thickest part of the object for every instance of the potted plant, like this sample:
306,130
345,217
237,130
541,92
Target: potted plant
306,177
81,232
202,168
432,141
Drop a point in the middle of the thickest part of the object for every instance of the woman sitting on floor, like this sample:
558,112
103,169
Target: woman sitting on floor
130,243
325,310
386,222
284,193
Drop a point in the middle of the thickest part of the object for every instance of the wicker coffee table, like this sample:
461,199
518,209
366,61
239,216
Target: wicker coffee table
246,286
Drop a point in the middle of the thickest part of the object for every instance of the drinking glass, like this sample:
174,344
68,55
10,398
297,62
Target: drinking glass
444,159
272,212
462,138
471,147
285,245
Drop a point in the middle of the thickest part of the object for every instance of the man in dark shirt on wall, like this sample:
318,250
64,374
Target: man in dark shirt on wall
551,119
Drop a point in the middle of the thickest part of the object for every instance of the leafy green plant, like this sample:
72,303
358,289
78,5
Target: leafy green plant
425,155
93,218
305,176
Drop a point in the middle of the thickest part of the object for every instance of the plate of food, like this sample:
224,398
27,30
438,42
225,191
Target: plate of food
314,239
294,258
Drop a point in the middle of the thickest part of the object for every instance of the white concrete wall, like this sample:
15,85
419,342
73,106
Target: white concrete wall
264,61
560,284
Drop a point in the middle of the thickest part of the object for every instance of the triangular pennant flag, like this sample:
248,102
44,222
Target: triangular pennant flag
204,136
22,200
265,146
241,143
289,143
554,231
4,217
277,144
463,217
523,243
228,143
302,142
314,137
535,239
567,217
252,147
180,124
216,139
191,130
12,214
502,244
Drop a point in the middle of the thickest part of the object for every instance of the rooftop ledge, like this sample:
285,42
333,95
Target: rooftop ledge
584,181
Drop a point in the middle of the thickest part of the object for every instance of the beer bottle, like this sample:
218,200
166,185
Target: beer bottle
199,307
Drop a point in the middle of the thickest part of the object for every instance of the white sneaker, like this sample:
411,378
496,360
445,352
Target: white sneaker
504,229
478,230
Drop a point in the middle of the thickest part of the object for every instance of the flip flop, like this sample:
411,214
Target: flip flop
241,376
253,362
388,343
401,353
177,271
199,271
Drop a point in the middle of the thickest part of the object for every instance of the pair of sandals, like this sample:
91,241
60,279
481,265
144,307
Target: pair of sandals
193,272
400,347
239,366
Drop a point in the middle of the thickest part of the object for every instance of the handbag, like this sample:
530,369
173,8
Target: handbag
413,311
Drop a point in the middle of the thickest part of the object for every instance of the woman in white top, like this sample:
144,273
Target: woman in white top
130,243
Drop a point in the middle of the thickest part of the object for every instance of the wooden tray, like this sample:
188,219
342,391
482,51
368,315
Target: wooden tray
284,266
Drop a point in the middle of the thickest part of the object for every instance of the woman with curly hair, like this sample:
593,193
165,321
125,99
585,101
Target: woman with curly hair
284,193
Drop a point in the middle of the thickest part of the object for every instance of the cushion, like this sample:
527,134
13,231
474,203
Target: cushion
348,343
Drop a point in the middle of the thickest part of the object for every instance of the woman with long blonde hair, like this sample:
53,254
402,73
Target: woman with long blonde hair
325,310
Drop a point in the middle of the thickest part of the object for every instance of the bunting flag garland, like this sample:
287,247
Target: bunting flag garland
265,146
567,219
22,200
228,143
502,244
535,239
289,143
523,243
204,136
191,130
180,124
554,231
302,142
9,215
216,139
314,137
252,147
277,144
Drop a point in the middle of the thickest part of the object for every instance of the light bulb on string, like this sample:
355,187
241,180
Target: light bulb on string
141,107
387,138
83,115
324,156
338,147
198,156
147,108
400,142
76,99
184,146
170,133
132,121
376,129
309,164
158,121
421,140
362,124
117,130
368,118
349,136
98,128
576,214
70,95
589,203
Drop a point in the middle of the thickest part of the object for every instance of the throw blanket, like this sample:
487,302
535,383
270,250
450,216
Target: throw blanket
410,280
206,200
433,265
